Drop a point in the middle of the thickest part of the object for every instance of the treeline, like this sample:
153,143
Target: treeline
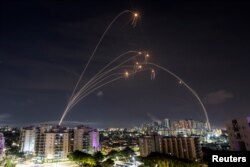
99,159
152,160
164,160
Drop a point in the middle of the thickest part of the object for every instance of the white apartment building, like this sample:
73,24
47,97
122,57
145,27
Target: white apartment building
28,135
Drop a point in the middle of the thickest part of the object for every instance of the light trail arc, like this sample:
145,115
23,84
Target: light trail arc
95,49
188,87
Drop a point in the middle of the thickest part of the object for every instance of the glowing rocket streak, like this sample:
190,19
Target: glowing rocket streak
135,15
81,91
108,82
146,58
78,95
94,90
87,85
74,102
152,74
93,53
98,74
99,80
101,75
189,88
126,74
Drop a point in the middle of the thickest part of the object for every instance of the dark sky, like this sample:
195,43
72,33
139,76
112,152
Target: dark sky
44,46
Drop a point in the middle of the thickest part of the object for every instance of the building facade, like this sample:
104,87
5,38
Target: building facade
52,143
239,134
181,147
56,145
28,135
86,139
166,123
146,145
49,143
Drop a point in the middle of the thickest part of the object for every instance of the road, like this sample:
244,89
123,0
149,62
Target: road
58,164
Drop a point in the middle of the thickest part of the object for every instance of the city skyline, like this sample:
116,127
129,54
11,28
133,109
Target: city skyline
45,45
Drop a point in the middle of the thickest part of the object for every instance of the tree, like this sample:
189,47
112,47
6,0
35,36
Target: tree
98,156
163,160
82,158
9,163
88,160
108,163
127,152
14,150
114,154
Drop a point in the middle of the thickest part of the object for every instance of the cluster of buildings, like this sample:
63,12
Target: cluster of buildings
189,147
118,139
182,138
49,143
181,147
178,127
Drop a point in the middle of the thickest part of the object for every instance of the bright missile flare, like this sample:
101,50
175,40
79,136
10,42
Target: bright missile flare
126,74
135,18
152,74
146,58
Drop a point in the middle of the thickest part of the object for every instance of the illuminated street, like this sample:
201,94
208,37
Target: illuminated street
59,164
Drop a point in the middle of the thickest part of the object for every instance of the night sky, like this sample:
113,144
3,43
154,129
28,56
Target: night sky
44,46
